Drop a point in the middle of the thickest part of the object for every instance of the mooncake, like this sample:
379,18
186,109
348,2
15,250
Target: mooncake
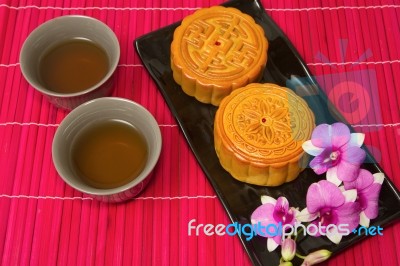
258,133
216,50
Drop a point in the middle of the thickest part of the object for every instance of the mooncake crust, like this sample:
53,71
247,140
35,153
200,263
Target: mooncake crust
259,131
216,50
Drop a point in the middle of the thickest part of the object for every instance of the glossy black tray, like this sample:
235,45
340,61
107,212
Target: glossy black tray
286,68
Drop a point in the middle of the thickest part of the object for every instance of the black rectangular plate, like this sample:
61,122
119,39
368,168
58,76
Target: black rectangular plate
285,68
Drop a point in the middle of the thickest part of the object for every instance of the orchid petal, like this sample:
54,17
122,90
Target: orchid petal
271,245
357,139
379,178
368,190
350,195
364,220
371,195
353,154
309,148
263,215
318,165
331,176
340,134
305,216
268,200
333,235
277,238
335,135
347,172
372,209
314,230
282,212
321,137
323,194
282,204
349,213
295,212
363,180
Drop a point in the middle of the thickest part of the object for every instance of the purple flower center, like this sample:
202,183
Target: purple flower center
327,216
283,215
334,155
331,157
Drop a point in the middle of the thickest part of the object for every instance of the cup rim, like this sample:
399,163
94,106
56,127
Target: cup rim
45,91
79,112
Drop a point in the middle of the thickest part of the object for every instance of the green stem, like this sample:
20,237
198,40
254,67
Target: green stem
298,233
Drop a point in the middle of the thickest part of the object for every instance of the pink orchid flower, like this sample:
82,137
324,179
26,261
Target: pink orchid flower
328,207
368,187
273,213
336,151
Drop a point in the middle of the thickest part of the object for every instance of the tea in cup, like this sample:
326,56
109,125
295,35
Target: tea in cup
107,148
70,59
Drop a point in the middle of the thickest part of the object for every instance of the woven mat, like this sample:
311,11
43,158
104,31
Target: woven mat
45,222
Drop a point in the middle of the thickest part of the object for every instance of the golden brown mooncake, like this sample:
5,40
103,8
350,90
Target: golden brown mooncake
258,133
216,50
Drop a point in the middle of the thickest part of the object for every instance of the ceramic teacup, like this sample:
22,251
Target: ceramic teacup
60,30
98,110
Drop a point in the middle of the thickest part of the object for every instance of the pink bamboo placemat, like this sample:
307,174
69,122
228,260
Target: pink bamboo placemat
45,222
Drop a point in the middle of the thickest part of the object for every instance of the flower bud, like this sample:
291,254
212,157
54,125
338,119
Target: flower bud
286,263
288,249
316,257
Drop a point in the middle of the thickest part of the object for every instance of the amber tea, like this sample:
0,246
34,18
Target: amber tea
109,154
73,66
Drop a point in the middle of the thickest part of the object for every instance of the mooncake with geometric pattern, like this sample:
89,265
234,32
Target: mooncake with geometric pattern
217,50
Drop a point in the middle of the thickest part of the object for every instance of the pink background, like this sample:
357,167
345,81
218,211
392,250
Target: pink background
45,222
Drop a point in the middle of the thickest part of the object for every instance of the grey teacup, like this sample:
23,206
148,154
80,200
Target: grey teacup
97,110
59,30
